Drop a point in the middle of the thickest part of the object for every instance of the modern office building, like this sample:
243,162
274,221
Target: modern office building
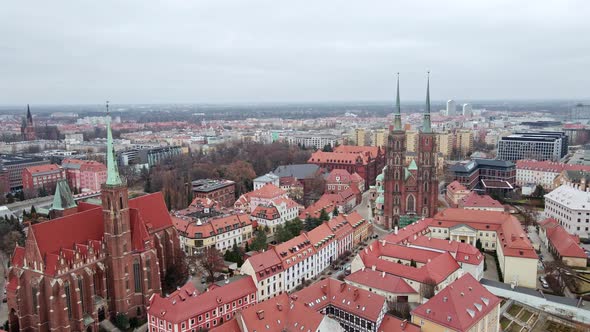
13,166
545,145
474,173
222,191
149,157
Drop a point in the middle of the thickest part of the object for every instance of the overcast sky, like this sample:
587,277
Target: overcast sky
140,51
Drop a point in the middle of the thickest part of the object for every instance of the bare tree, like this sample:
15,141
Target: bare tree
427,288
210,261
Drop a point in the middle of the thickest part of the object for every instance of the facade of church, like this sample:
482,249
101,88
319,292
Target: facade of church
91,262
407,191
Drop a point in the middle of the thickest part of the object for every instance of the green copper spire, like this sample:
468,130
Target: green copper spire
113,178
63,198
397,120
426,127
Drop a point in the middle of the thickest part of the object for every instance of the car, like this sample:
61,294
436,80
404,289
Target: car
203,279
347,272
545,285
542,279
375,236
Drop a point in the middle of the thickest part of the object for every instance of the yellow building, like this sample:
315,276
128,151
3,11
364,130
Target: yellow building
444,143
411,140
359,136
379,137
464,305
464,141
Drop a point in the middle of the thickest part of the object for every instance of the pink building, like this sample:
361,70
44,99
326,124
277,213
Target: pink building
85,175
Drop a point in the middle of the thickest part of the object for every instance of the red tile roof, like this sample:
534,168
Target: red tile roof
338,158
268,191
382,281
43,168
455,186
320,236
460,305
340,226
393,324
266,264
266,212
186,302
153,211
463,252
408,233
341,174
549,166
567,245
281,314
373,151
325,202
339,294
229,326
475,200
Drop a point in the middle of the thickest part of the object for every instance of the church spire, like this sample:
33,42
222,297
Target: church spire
426,127
29,116
397,120
113,178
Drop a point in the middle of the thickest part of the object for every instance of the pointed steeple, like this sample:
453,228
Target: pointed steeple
113,178
397,120
63,198
426,126
29,116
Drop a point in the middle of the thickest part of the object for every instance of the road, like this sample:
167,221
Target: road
364,209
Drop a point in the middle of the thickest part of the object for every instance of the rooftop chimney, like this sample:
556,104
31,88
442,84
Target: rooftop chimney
260,314
324,289
279,307
342,286
356,294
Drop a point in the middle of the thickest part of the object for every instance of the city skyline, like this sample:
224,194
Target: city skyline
231,52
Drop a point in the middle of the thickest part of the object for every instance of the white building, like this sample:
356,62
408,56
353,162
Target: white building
467,110
451,107
571,208
264,179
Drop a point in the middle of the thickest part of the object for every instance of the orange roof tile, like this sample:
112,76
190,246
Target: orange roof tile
382,281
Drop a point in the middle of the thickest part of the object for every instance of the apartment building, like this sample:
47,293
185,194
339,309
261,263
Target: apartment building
539,146
570,206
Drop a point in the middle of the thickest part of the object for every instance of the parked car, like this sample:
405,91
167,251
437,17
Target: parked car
375,236
545,284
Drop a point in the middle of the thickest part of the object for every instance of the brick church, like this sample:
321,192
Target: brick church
91,262
27,128
407,191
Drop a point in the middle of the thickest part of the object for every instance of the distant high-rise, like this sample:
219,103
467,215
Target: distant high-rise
28,129
379,137
360,135
545,145
467,110
451,107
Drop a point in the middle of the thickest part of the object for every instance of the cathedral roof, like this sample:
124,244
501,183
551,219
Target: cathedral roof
413,166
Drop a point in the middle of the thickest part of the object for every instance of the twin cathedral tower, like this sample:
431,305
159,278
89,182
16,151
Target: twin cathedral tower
408,189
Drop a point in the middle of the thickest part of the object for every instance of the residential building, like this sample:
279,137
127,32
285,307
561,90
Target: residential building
411,140
499,231
465,305
445,143
280,314
431,268
356,309
196,234
299,179
543,173
187,310
467,110
339,180
264,195
85,175
222,191
455,193
561,244
266,178
344,233
101,261
464,142
13,166
314,140
410,190
277,212
360,136
367,161
42,177
474,173
393,288
570,206
379,137
393,324
475,201
578,179
542,146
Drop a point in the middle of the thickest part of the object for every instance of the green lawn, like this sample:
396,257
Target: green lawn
514,327
556,327
514,310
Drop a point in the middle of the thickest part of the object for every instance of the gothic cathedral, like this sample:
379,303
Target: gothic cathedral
407,189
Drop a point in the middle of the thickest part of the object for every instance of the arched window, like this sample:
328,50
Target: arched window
411,204
137,276
34,291
425,211
81,290
397,159
68,298
396,175
396,188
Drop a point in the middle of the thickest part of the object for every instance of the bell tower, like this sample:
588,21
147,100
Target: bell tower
394,169
427,159
117,231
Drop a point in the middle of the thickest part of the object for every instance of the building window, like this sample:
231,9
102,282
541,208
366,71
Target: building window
148,271
68,298
137,276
